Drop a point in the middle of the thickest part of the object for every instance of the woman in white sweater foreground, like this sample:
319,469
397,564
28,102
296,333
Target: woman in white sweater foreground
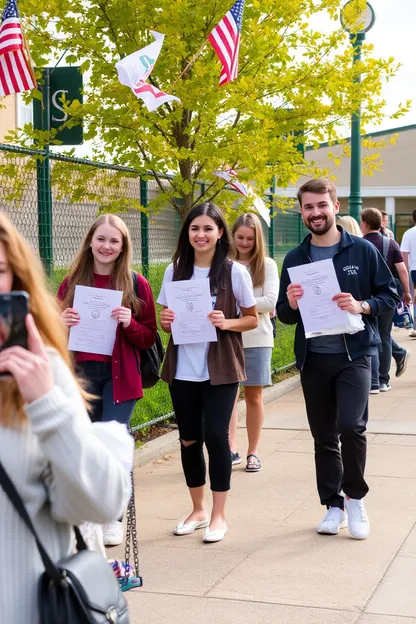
48,445
258,343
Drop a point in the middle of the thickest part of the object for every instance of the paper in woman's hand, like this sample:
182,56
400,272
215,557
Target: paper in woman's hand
321,316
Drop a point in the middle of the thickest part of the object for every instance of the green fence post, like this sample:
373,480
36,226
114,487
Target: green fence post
144,227
44,187
271,228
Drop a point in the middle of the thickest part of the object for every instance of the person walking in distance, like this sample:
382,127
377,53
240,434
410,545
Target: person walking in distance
408,248
385,225
258,343
104,261
203,378
335,370
390,251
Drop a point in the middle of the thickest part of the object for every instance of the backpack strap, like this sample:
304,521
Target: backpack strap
386,247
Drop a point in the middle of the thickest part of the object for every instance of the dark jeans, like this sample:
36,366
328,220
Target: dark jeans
100,383
336,396
203,414
381,361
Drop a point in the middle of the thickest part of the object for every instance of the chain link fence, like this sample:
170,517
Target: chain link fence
53,199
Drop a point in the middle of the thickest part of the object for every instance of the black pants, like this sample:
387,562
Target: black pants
336,396
203,414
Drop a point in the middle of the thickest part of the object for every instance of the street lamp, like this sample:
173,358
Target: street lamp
357,22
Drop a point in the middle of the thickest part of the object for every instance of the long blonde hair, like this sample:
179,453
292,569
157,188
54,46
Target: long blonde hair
257,258
349,224
28,275
82,269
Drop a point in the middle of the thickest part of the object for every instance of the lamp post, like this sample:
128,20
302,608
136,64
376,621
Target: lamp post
357,23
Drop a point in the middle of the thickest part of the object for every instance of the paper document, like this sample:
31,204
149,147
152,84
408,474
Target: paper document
192,302
96,331
320,315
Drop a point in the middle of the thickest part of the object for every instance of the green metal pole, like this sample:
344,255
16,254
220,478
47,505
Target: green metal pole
144,226
271,228
44,187
355,201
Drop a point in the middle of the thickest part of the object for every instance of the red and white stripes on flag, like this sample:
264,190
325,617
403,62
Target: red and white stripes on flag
225,39
15,73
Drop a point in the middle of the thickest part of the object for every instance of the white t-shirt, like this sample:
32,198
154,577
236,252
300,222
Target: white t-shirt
409,246
192,362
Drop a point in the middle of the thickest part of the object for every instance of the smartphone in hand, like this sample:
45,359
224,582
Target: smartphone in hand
14,307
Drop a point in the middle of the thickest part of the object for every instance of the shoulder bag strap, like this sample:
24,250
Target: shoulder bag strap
386,247
14,497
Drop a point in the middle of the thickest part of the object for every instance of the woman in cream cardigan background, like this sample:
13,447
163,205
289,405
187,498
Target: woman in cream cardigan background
258,343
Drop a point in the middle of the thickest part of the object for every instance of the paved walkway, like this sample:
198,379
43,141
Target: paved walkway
272,567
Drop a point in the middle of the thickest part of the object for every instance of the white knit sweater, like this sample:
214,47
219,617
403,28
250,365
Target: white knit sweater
65,475
266,298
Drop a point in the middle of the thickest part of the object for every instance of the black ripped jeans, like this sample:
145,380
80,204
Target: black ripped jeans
336,396
203,414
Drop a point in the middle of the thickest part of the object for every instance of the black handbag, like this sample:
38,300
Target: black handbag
80,589
150,359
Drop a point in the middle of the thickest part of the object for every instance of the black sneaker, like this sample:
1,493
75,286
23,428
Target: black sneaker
235,458
402,365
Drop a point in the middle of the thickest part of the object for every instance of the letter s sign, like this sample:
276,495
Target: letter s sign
58,106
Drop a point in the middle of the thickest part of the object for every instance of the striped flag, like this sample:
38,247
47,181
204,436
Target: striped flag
15,72
225,39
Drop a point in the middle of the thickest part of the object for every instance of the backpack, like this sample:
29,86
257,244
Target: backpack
151,358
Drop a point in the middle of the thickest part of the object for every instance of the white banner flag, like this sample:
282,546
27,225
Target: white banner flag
230,176
133,71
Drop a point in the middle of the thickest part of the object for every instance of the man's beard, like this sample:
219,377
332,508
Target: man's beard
323,228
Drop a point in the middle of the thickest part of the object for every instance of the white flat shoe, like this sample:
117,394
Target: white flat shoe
190,527
214,536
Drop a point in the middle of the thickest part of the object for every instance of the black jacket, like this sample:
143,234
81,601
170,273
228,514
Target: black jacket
362,272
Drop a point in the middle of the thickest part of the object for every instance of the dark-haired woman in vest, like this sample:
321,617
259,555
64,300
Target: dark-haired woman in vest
203,378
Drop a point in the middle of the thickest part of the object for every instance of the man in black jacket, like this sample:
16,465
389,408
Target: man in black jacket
335,370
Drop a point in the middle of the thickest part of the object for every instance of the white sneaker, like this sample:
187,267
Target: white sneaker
334,520
113,533
358,523
412,333
385,387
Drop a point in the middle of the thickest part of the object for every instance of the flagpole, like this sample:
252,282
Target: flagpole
191,62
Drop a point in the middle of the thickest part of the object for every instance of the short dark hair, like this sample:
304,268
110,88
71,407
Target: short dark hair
414,215
383,212
318,185
372,217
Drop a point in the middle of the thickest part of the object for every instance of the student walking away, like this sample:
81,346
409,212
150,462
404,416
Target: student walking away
335,370
249,250
371,222
203,378
48,445
104,261
408,248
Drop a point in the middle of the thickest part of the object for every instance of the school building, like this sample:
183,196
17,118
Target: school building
392,189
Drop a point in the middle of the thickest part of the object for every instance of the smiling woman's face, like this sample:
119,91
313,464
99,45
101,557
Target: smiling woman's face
106,244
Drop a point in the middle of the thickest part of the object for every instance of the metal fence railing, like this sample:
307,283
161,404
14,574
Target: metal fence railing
52,199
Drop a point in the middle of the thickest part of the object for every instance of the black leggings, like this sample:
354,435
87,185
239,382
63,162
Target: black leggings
203,414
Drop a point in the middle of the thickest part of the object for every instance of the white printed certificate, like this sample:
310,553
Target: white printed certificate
96,331
191,302
321,316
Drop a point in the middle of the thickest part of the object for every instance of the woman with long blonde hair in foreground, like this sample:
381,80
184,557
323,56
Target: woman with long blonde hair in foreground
48,445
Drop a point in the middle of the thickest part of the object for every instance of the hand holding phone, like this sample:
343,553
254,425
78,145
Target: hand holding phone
30,367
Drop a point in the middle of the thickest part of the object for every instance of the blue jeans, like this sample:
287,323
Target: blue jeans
381,362
100,382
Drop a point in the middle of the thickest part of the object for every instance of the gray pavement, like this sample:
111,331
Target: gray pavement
272,567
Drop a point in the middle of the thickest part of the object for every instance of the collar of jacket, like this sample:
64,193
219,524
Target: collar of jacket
346,241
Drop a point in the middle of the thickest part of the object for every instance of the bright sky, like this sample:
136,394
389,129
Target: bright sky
393,34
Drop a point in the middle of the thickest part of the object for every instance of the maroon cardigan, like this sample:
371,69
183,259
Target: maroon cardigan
140,334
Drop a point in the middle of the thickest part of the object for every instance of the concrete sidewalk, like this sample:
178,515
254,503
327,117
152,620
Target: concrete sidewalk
272,567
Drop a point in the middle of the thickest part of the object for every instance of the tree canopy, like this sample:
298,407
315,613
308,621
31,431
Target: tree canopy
295,85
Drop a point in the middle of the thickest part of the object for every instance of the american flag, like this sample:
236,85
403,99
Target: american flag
225,39
15,72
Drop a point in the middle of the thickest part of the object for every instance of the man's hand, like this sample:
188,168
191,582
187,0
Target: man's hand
407,298
294,292
347,302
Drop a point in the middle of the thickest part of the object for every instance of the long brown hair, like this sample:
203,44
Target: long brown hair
82,270
257,258
28,275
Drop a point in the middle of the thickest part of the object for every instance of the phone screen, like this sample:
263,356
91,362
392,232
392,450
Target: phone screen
14,307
